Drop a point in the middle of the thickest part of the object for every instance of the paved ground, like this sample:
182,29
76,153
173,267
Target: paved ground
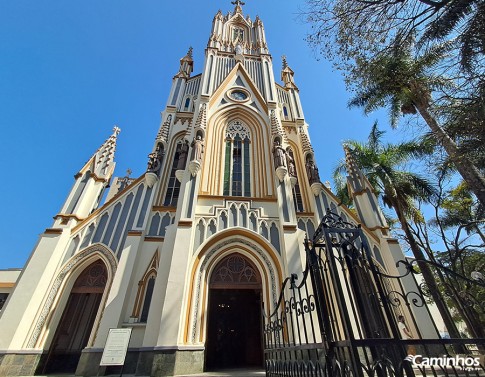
227,373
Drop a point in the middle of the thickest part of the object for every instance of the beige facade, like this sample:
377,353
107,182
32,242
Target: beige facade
217,221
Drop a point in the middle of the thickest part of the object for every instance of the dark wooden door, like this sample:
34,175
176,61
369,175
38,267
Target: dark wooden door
74,328
234,329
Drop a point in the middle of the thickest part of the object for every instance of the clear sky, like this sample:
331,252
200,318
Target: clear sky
71,70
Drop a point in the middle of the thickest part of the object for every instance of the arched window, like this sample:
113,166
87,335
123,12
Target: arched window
297,198
237,166
173,187
145,291
285,112
187,104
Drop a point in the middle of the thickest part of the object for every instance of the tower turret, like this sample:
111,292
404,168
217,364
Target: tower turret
186,65
287,76
362,193
180,79
90,183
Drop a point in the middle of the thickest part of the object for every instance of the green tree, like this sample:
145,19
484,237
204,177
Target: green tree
399,189
453,239
404,82
343,30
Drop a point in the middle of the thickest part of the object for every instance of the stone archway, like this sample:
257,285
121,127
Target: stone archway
76,324
234,316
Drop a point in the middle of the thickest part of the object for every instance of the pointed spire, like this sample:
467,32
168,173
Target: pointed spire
287,75
201,121
362,193
285,63
276,129
164,130
352,168
104,156
186,64
305,142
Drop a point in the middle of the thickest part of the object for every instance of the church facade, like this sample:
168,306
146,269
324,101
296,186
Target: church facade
188,254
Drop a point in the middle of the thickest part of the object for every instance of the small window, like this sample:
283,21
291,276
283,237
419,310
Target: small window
285,113
187,104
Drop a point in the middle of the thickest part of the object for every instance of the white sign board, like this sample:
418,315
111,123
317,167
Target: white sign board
116,347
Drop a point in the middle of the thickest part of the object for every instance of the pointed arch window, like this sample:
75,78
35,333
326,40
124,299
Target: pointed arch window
237,165
285,113
297,197
145,291
187,104
173,187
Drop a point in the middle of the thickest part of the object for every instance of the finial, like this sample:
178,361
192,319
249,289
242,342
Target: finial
238,4
116,130
128,172
189,53
285,64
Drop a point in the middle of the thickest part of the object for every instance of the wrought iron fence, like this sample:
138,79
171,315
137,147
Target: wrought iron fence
341,318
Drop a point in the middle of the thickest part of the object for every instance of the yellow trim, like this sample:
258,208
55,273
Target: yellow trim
7,285
154,239
164,209
135,233
53,231
270,199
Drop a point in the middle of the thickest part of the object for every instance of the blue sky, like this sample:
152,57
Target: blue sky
71,70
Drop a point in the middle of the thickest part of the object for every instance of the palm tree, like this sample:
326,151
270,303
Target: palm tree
403,81
467,19
398,189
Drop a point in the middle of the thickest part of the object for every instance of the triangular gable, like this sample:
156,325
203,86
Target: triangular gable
239,77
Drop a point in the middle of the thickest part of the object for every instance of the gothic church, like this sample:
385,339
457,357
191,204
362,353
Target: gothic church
189,253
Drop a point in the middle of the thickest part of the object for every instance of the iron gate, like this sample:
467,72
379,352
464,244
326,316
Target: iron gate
341,318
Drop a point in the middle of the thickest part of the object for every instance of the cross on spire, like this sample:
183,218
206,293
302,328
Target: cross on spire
238,3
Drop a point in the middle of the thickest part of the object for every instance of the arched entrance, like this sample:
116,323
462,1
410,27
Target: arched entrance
77,320
234,320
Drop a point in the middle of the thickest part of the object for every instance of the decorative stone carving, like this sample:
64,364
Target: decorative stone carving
237,127
183,153
290,163
312,171
197,149
194,167
317,188
281,172
155,160
279,155
151,179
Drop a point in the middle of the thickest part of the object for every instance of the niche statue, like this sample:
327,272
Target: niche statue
278,155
